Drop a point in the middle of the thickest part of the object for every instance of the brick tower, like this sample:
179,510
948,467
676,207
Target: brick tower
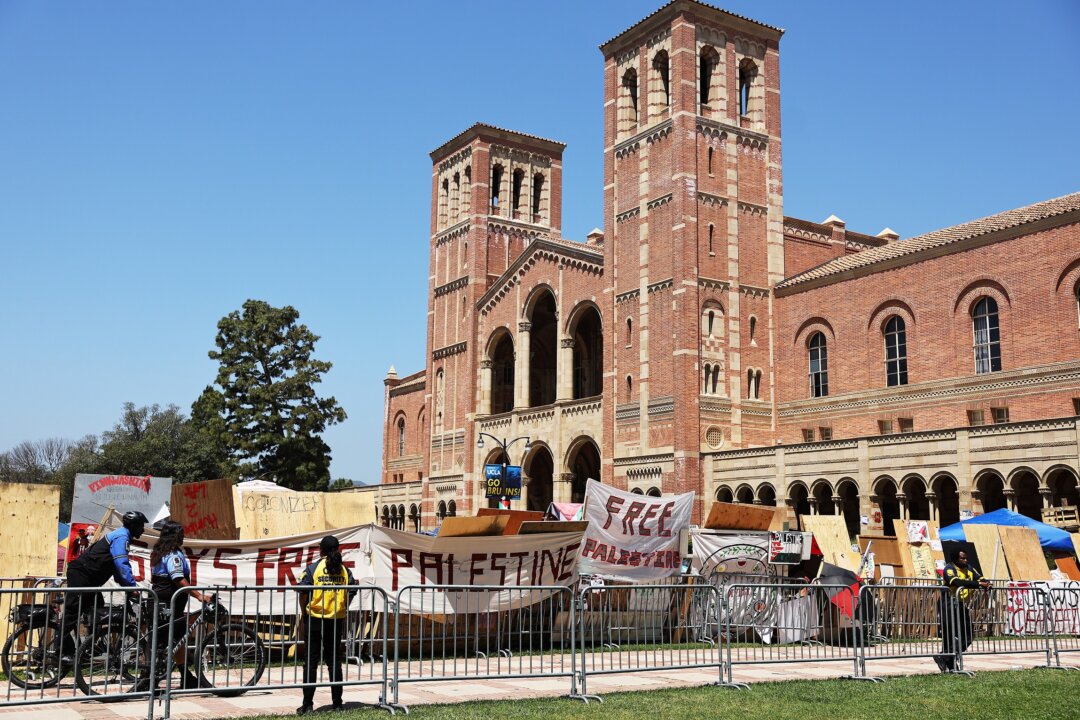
693,215
492,190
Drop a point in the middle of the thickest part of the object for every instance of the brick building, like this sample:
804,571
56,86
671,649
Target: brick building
704,341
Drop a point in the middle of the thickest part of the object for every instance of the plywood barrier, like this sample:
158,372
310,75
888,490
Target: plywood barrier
205,509
737,516
831,534
348,509
28,518
277,514
1024,553
886,550
987,543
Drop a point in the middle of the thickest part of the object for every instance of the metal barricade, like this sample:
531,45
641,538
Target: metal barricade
246,638
465,632
105,654
1064,621
791,623
639,628
913,621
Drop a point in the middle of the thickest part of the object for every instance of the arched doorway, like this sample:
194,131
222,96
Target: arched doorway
584,464
543,341
385,516
588,354
823,496
888,504
848,492
918,505
414,516
991,489
766,494
1063,487
724,495
502,374
653,492
798,500
540,469
451,509
1025,485
744,495
947,499
441,511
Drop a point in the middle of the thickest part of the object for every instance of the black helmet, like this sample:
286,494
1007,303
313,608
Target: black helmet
135,522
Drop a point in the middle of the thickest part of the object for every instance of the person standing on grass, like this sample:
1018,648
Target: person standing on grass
327,586
953,618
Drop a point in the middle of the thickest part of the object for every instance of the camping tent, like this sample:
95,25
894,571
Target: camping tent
1051,538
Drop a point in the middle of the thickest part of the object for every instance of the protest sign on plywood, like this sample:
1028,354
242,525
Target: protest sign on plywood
279,513
94,494
205,509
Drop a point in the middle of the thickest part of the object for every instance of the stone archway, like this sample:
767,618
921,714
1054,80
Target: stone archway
584,464
823,498
798,500
766,494
848,492
724,495
588,339
1063,486
744,495
888,504
502,374
947,500
991,488
540,469
543,351
918,505
1026,498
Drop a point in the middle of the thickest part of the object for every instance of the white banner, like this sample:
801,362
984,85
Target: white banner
725,559
1025,611
384,558
633,537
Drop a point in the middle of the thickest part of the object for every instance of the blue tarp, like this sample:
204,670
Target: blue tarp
62,530
1051,538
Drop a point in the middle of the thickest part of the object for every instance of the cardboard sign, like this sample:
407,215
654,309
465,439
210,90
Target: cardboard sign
788,548
205,509
633,537
94,494
503,481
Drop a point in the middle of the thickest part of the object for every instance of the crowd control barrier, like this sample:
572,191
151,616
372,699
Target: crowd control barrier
639,628
126,645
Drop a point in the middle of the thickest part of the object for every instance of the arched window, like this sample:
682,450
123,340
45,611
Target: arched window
629,332
819,366
660,87
712,320
1076,292
455,199
984,318
706,65
517,182
440,398
451,509
537,195
708,375
896,351
496,184
441,512
753,328
629,388
708,166
630,92
715,377
747,73
401,437
444,202
711,227
750,384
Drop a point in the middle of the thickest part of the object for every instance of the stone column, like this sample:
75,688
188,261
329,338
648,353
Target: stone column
485,387
813,505
564,370
838,505
902,499
521,369
1010,499
1045,493
932,499
564,487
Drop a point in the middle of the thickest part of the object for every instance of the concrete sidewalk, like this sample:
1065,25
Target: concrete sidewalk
269,701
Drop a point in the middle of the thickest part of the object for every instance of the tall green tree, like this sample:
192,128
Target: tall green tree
265,394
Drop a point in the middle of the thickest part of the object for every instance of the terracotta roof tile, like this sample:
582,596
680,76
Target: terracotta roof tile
664,7
938,238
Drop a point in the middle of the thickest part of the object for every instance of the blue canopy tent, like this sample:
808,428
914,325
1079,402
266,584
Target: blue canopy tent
1051,538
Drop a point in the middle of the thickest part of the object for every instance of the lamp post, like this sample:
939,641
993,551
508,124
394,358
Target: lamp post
505,445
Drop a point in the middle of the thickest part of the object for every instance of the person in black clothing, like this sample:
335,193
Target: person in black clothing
170,572
953,617
106,558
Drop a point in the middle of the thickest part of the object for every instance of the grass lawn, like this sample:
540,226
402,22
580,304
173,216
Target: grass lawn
1043,694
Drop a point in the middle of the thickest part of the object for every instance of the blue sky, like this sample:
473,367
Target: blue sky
162,162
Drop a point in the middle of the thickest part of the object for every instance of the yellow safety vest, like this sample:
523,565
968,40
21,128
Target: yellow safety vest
962,593
328,604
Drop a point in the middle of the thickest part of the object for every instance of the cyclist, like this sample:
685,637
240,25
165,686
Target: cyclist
324,599
170,572
107,558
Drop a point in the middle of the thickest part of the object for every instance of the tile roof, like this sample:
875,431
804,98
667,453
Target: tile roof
665,6
478,127
938,238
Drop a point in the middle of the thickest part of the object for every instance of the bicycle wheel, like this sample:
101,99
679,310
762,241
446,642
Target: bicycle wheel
231,656
25,657
109,664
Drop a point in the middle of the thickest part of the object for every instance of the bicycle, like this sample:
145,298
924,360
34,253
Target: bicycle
225,650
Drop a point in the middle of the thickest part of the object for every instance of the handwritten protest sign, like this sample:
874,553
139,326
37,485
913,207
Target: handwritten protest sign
94,494
205,509
633,537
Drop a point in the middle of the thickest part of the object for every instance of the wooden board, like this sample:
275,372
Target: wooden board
1024,553
886,550
205,509
553,526
1067,565
902,544
737,516
278,514
986,540
831,534
472,526
28,518
514,518
935,534
348,509
1076,543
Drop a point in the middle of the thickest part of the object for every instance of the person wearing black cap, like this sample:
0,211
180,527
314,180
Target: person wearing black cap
325,593
107,558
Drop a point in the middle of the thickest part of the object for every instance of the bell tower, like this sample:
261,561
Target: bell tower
693,216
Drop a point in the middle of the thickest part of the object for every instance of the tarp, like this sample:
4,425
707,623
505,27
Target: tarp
1051,538
62,531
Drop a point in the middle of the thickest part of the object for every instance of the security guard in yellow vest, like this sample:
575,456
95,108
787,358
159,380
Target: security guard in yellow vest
326,588
953,618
